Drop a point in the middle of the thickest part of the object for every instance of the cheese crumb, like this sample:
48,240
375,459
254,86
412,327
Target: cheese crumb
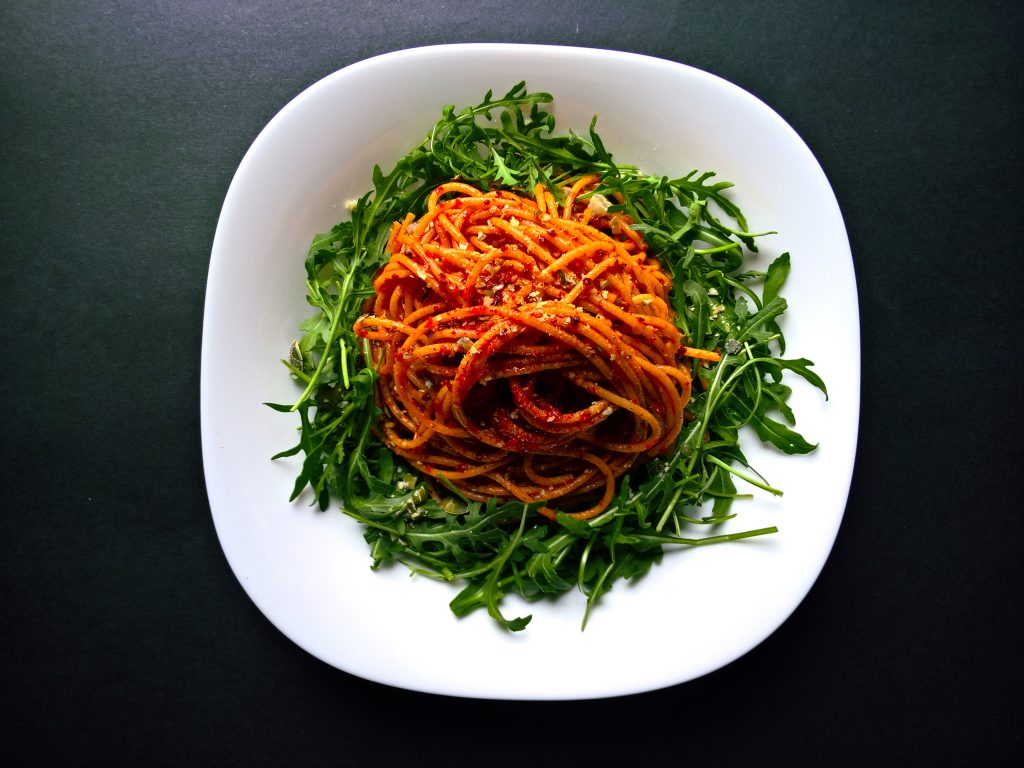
598,203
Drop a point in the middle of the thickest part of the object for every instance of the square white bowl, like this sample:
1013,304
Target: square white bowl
309,571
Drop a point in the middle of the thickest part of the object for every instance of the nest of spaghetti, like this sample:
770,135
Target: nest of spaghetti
525,348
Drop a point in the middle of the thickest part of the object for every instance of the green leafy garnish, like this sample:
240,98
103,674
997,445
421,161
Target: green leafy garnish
699,235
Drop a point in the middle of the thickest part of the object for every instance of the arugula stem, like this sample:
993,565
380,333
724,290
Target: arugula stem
323,358
717,249
668,509
344,365
741,287
708,540
744,476
301,374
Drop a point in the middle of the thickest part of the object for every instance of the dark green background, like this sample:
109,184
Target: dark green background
127,640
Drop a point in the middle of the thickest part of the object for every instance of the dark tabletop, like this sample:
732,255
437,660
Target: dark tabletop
127,639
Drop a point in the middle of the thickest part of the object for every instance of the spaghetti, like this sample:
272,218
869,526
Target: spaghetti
525,349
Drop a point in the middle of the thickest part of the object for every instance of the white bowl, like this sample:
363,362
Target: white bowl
309,571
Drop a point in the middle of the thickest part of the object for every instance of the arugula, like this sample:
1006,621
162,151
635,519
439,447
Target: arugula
494,548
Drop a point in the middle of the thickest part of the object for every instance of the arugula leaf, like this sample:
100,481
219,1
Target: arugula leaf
700,237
